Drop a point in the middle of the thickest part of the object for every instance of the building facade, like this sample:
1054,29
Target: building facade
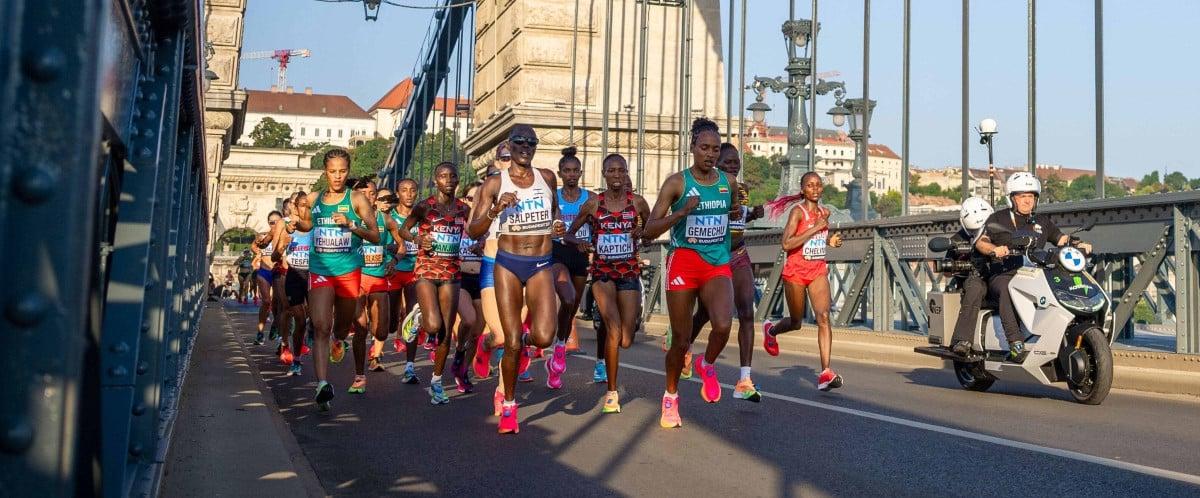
314,118
835,156
447,113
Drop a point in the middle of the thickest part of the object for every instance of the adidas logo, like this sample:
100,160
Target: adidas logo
693,192
677,281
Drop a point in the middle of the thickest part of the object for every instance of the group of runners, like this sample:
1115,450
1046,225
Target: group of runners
499,270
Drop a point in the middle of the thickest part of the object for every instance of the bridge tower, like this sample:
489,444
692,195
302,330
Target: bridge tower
224,103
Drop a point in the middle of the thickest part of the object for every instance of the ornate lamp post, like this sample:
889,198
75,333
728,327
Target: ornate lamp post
797,33
859,111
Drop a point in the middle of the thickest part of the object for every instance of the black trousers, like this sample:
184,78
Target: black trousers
998,285
974,292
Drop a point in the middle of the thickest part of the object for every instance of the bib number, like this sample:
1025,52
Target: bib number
706,229
614,246
372,256
446,245
815,247
332,240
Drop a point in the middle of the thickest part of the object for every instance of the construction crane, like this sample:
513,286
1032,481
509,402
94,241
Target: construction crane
283,56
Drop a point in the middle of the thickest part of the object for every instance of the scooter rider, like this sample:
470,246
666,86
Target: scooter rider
1002,227
974,213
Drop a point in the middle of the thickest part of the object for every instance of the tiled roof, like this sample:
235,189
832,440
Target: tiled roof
398,96
303,104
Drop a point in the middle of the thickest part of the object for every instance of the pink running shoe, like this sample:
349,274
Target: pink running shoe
480,364
558,359
399,345
523,364
670,413
553,379
770,343
711,392
828,380
508,420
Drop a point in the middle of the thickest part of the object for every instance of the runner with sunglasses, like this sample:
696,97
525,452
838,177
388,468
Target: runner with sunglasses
469,324
440,219
570,263
701,200
340,220
292,247
523,199
264,273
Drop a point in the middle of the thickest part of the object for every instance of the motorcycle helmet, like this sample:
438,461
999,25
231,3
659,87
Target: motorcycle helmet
974,213
1022,182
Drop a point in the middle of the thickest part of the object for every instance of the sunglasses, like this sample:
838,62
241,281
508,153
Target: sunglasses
390,199
524,141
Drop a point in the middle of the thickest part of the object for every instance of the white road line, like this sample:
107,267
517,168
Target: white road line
1073,455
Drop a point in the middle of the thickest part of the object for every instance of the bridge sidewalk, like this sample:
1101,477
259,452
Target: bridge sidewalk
1146,371
230,439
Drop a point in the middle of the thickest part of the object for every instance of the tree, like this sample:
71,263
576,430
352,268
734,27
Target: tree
1194,183
365,160
1149,180
272,134
1176,182
887,205
1054,189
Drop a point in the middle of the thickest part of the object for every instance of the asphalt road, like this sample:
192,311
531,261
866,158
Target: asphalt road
892,430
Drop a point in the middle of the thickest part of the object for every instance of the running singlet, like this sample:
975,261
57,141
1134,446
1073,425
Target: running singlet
616,251
264,256
570,211
814,248
441,261
737,228
297,250
376,256
409,260
335,249
704,229
533,213
469,260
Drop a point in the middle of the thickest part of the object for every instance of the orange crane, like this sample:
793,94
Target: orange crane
283,56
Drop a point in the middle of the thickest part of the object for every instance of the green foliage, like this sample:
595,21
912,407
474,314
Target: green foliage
433,149
1054,189
1176,182
761,176
272,134
314,146
1149,180
932,190
1084,187
1194,183
365,160
887,205
237,238
1142,313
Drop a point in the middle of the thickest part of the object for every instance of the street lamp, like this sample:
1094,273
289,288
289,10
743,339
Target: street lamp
987,133
796,33
859,111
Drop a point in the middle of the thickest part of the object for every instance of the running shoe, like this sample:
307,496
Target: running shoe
256,300
558,359
258,338
437,395
410,326
398,345
304,349
461,381
497,402
711,391
525,377
432,348
600,373
274,335
324,396
536,352
359,386
508,419
429,341
612,403
294,370
553,380
770,343
686,373
480,364
828,380
285,356
670,413
523,364
746,390
410,375
337,352
374,365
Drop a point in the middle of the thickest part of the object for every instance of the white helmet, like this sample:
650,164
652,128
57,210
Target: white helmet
974,213
1023,181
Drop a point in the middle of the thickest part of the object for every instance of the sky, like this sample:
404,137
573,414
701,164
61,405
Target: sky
1149,84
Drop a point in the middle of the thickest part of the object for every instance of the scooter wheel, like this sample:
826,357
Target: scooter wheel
1098,377
972,376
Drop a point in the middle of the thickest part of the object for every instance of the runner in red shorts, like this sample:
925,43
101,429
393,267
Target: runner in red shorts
701,200
443,219
340,219
805,272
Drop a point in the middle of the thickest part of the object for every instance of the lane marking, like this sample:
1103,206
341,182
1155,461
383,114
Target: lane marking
1046,450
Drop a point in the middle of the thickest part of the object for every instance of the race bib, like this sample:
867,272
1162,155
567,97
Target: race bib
332,239
372,256
739,225
706,228
298,256
614,246
464,251
446,245
815,247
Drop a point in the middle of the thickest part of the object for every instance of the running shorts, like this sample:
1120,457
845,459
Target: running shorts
686,269
470,283
487,273
739,258
570,257
623,284
344,285
401,279
370,284
295,286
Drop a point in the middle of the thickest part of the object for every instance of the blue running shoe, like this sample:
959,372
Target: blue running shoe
600,374
437,395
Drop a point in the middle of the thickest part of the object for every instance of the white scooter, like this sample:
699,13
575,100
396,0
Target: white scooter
1062,311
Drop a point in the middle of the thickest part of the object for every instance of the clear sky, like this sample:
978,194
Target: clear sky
1150,72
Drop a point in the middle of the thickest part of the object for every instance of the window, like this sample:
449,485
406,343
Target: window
328,132
302,131
339,133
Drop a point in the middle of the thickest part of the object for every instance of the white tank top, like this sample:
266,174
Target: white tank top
533,213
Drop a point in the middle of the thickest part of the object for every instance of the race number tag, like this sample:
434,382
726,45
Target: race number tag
614,246
332,240
706,228
446,244
372,256
815,247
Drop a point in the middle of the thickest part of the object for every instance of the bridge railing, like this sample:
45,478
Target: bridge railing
102,241
1146,249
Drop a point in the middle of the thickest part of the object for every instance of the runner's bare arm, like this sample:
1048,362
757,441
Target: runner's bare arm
368,231
481,218
586,212
795,240
659,221
415,216
304,220
643,209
